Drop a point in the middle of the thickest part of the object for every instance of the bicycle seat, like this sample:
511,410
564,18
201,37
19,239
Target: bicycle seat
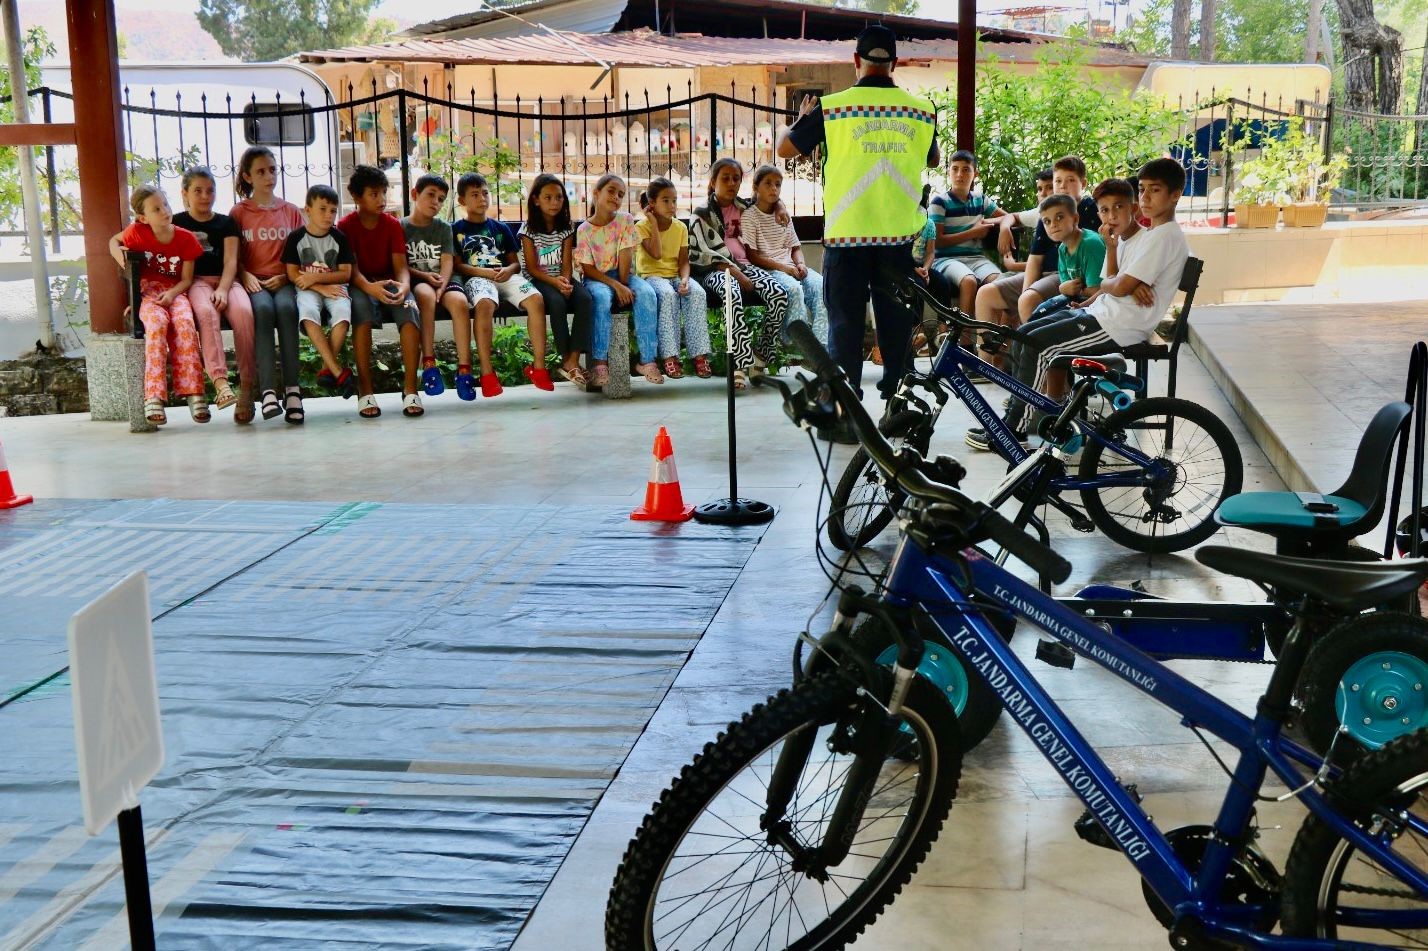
1303,519
1349,586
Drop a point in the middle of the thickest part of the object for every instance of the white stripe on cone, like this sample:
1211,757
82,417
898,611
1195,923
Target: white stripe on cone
663,471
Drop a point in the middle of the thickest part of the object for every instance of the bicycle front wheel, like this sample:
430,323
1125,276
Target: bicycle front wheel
862,507
707,870
1200,467
1334,891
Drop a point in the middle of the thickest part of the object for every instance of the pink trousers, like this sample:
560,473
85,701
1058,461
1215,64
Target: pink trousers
169,335
210,330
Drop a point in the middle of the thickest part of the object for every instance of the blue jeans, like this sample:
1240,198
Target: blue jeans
646,317
805,303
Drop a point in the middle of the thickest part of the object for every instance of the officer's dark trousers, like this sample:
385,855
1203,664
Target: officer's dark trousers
850,275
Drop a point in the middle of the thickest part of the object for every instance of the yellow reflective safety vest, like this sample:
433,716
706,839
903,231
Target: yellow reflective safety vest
878,138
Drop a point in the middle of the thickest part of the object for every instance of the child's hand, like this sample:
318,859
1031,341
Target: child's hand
1006,244
120,255
394,292
565,285
220,299
506,273
781,215
682,287
921,272
331,291
1108,236
1072,288
168,297
742,278
251,284
274,283
624,295
1144,295
799,271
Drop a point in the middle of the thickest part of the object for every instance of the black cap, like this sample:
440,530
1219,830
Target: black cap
877,44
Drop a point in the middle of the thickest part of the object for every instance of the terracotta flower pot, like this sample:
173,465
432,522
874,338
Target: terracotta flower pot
1256,216
1306,215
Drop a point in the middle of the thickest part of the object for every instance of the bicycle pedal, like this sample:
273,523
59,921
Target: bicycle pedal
1090,831
1081,523
1055,653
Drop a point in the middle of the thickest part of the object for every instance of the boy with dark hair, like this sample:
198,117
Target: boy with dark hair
1011,300
430,256
318,260
381,287
1147,264
1028,219
963,220
487,264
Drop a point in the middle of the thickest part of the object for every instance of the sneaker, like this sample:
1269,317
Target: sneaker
431,382
466,386
326,380
540,376
347,383
977,438
490,386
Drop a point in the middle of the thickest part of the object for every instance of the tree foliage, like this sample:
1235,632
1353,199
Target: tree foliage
1026,121
891,7
263,30
1246,31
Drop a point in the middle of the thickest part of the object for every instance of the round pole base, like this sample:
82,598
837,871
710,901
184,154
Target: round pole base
734,512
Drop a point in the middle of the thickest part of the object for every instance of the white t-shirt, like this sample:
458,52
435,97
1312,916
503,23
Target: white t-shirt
1154,256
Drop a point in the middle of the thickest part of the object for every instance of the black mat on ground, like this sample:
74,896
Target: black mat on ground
385,724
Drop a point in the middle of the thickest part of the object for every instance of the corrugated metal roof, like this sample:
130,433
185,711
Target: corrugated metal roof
646,48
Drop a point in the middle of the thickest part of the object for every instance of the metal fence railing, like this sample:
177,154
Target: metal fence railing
1387,155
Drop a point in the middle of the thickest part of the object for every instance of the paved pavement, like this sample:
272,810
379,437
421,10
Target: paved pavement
1008,871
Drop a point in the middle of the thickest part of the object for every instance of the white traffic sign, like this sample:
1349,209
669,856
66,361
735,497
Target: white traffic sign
116,700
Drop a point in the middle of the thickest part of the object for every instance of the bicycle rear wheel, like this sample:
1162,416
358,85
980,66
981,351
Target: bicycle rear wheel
862,506
702,871
1331,889
1202,468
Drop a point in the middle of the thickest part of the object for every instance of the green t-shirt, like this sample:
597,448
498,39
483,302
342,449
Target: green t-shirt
1085,263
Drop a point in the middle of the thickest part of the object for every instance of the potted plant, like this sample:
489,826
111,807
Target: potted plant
1308,178
1257,197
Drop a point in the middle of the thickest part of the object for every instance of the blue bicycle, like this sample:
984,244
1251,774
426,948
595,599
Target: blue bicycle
800,823
1151,474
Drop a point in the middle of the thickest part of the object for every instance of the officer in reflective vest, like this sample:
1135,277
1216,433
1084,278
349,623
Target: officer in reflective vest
878,139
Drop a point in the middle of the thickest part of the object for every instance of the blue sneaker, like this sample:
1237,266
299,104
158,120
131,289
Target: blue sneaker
466,386
431,382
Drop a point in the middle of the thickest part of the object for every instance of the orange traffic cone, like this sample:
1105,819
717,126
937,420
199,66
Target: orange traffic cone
663,500
8,498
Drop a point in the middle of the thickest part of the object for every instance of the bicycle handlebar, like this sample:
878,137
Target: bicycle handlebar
977,517
954,315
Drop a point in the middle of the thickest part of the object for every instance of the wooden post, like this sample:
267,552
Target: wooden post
102,182
967,74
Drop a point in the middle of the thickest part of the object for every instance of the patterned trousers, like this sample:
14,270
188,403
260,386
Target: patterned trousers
757,341
687,313
169,334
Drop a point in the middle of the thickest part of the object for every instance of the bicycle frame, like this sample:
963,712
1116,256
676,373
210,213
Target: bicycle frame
917,578
951,364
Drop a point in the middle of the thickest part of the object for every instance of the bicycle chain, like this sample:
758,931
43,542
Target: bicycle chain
1380,892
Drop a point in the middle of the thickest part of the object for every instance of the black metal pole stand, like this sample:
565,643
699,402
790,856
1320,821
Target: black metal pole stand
733,510
136,880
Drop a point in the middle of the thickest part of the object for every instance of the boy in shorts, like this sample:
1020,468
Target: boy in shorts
430,256
486,262
963,220
319,264
1025,220
381,287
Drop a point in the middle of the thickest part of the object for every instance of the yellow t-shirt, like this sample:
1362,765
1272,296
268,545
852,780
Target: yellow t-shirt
671,240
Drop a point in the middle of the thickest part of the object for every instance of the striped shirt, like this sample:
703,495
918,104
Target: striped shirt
954,215
549,247
764,234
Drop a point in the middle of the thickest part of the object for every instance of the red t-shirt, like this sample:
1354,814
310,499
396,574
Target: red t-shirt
163,263
265,231
373,247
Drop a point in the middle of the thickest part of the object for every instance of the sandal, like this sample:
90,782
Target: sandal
673,368
367,406
411,405
224,396
702,369
154,412
243,413
600,375
741,380
198,408
271,406
650,371
575,375
293,411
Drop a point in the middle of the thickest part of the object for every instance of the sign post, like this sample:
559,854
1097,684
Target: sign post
117,735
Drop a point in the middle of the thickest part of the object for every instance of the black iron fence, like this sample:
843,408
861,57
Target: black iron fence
679,136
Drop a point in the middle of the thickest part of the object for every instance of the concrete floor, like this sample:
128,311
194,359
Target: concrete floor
1008,871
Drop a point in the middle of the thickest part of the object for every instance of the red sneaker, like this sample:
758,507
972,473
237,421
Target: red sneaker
540,376
490,386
